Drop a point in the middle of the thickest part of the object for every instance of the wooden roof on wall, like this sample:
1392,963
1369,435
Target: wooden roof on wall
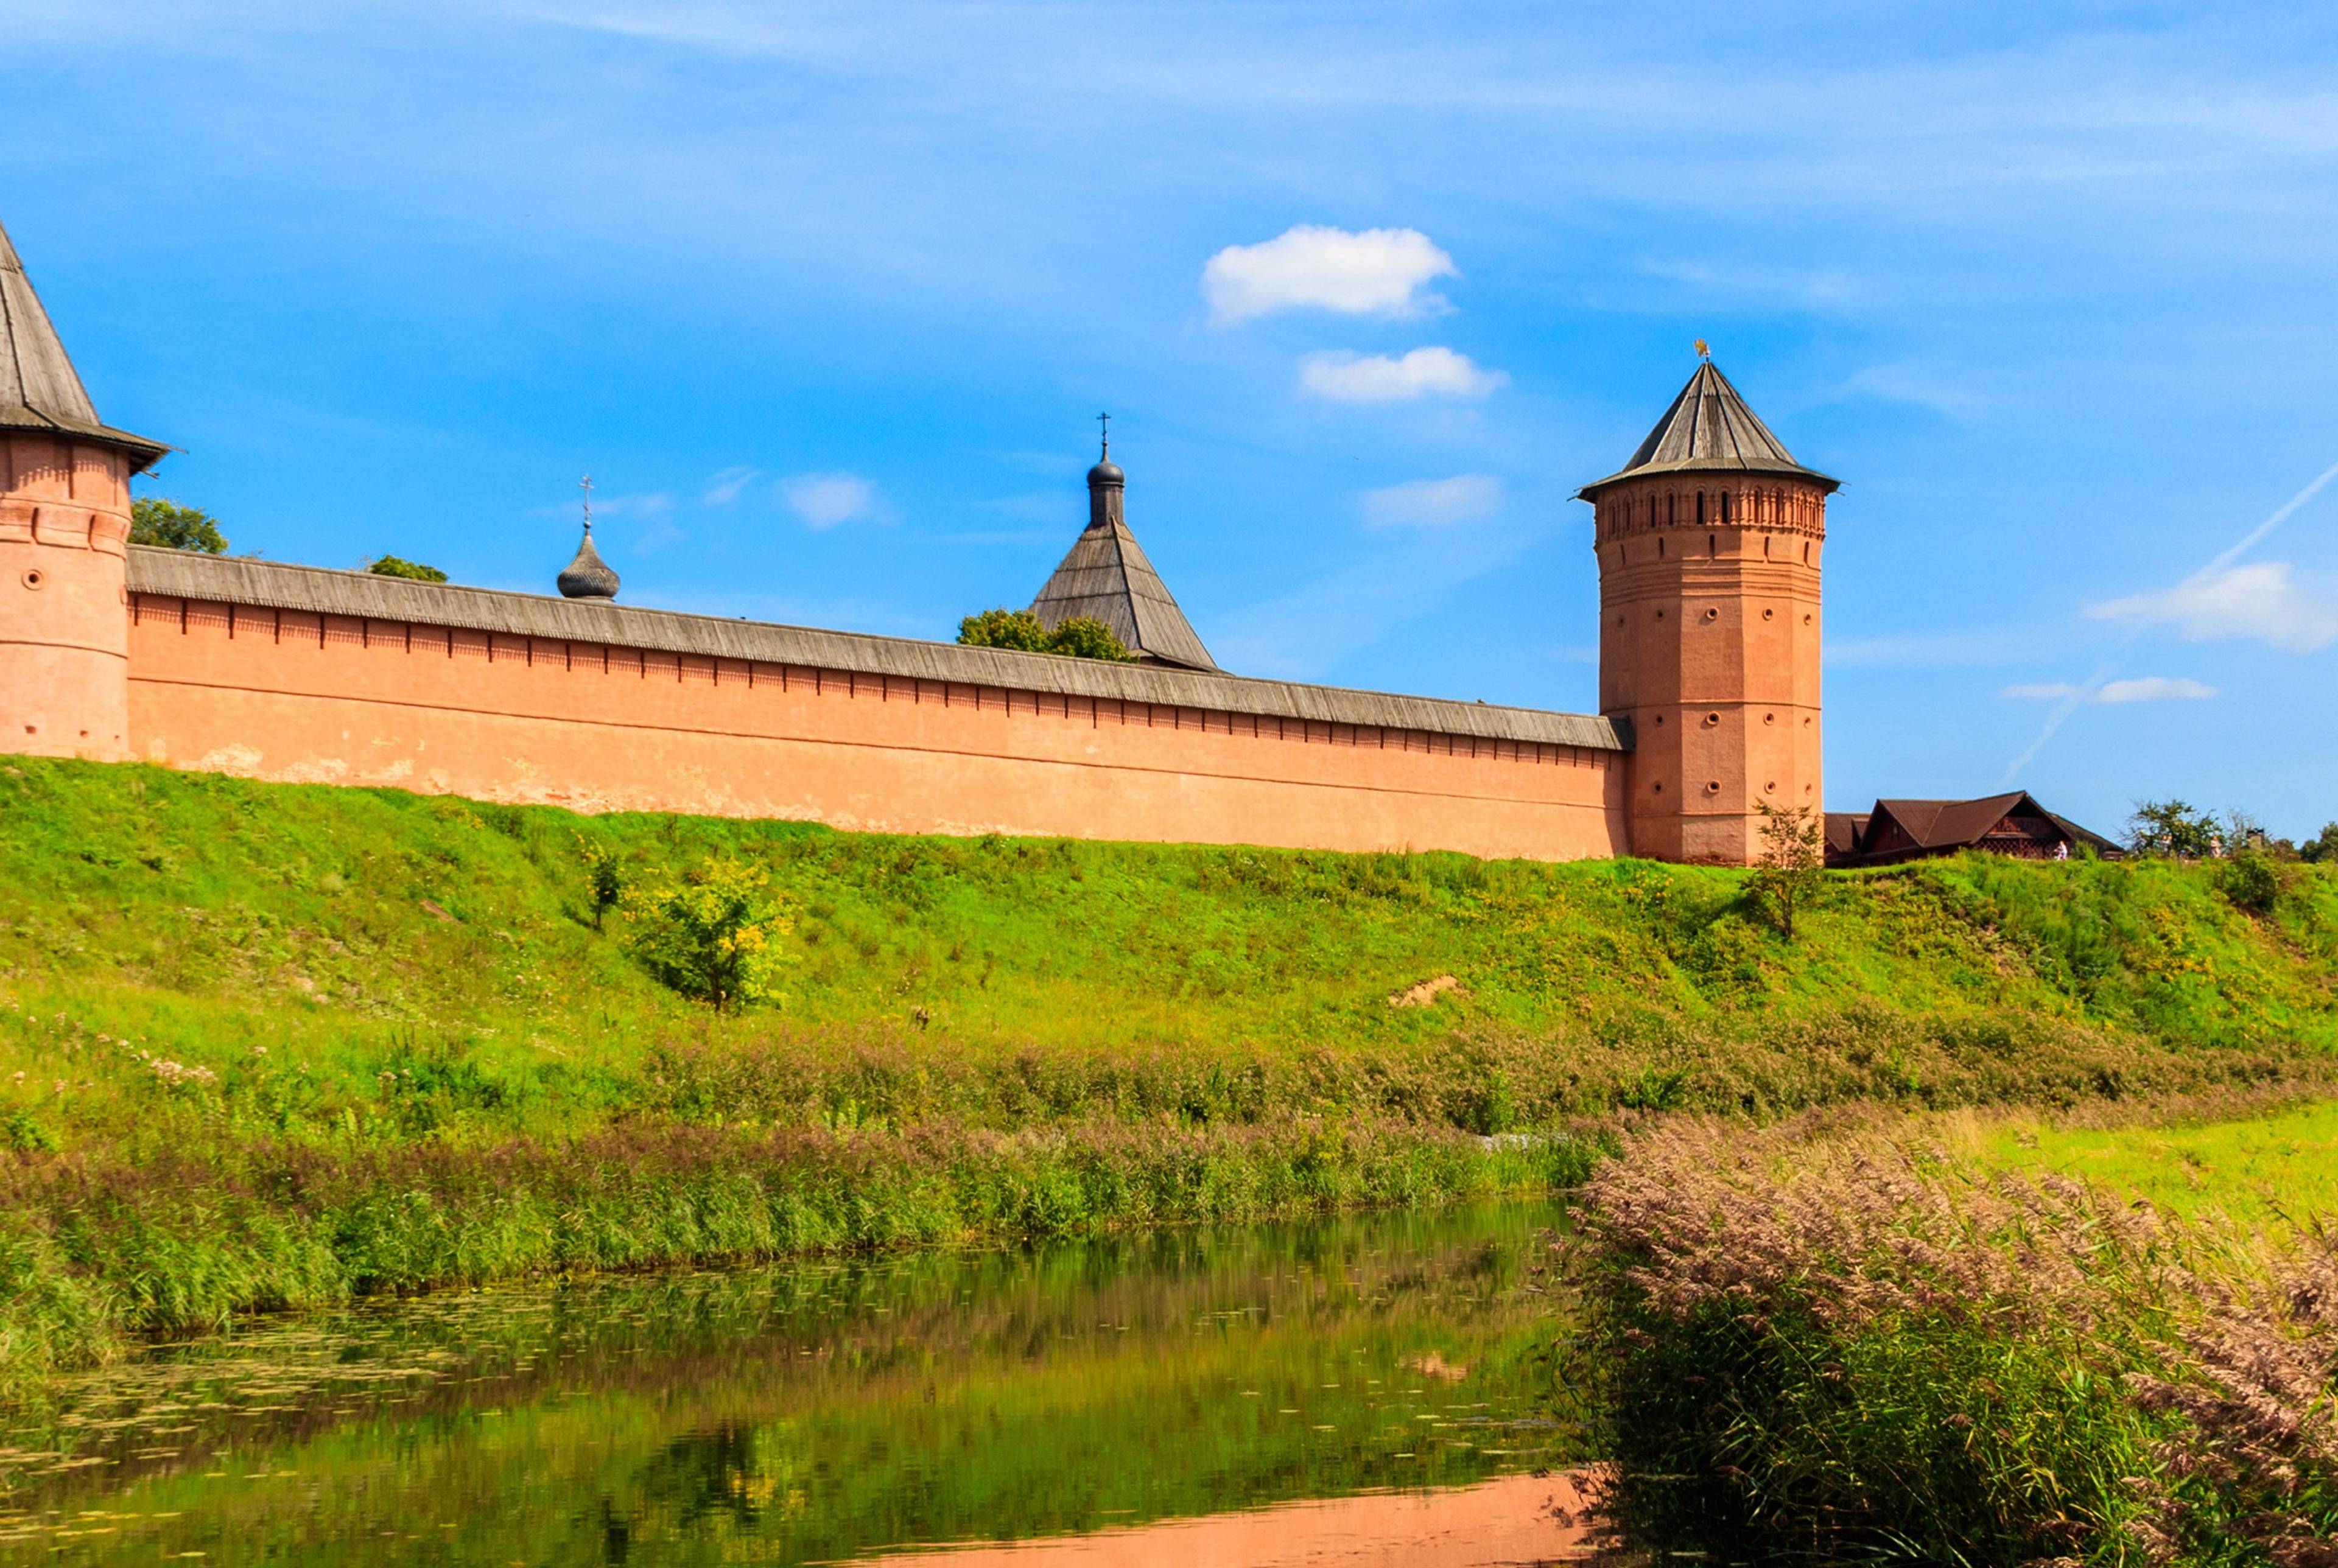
312,590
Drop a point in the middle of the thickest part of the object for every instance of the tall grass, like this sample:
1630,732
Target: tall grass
1830,1345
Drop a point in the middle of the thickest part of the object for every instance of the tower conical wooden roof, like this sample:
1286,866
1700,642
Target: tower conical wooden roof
1107,577
39,388
1709,428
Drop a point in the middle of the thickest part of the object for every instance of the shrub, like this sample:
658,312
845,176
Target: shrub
154,520
397,566
1081,637
605,883
716,935
2251,880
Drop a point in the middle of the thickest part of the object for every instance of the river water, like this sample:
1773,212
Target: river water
1098,1398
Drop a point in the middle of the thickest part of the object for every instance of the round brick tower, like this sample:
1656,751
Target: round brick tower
1709,543
64,523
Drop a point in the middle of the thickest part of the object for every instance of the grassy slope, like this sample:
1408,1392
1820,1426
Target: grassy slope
423,1063
2279,1170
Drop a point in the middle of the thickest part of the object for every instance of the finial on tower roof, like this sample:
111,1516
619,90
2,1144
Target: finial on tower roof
588,576
1704,351
1106,471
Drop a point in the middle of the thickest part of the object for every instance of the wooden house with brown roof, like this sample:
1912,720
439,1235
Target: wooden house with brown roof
2011,824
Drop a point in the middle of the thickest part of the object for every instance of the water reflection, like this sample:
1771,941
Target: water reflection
811,1412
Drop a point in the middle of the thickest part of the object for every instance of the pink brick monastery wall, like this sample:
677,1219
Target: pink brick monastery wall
307,698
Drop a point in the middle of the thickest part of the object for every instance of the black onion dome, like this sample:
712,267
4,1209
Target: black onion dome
588,576
1106,473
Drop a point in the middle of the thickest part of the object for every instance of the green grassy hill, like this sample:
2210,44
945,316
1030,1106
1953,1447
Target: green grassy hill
263,1044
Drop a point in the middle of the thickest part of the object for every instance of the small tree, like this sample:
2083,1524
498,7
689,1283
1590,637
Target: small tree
396,566
2323,847
1084,637
716,935
154,520
604,884
2173,828
1792,865
1081,637
1017,629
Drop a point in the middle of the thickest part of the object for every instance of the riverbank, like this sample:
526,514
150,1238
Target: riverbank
1862,1335
269,1045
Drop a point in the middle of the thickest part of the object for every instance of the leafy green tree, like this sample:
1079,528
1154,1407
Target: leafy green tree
2321,847
397,566
716,935
2173,828
1017,629
1792,867
155,520
1081,637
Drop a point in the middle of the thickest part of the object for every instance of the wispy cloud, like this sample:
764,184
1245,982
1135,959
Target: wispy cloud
2135,689
823,501
1347,378
1432,502
1375,273
1937,650
1915,387
724,488
2261,601
643,504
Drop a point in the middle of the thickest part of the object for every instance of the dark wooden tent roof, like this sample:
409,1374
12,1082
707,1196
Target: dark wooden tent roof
39,388
1709,428
1107,577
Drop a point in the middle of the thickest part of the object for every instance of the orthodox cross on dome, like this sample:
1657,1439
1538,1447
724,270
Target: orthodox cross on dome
1104,422
586,485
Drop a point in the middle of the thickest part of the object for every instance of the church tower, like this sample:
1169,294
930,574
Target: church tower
64,525
1709,543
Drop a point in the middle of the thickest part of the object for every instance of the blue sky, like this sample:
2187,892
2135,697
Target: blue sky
826,298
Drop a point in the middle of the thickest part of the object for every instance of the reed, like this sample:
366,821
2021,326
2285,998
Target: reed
1831,1342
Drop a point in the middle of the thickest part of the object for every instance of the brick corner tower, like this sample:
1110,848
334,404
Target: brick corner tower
1709,543
64,528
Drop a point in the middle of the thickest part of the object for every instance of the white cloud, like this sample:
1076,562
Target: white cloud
2259,601
1376,272
1433,502
1346,377
826,500
724,488
2156,689
2135,689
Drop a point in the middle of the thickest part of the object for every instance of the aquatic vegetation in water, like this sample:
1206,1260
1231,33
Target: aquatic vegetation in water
817,1411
